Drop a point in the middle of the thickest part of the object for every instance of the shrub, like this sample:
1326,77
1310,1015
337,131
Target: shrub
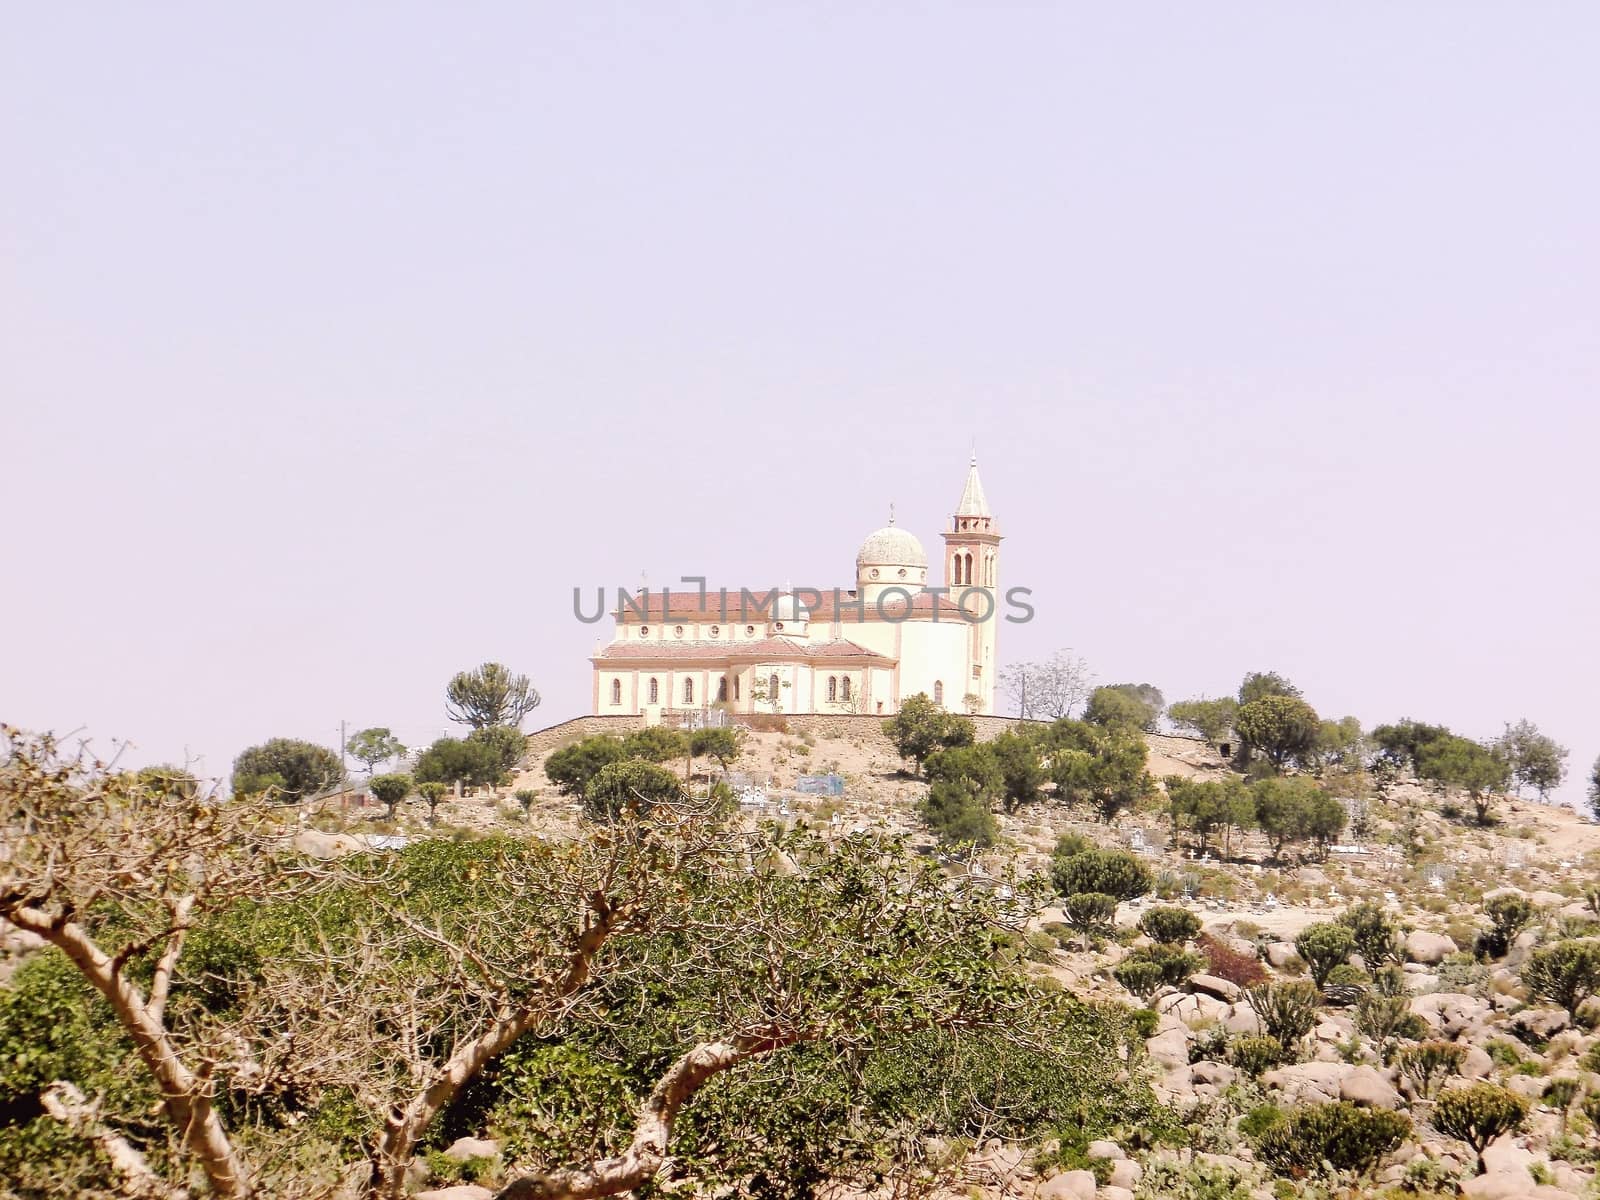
1140,976
1559,1094
1339,1135
1324,946
525,798
1288,1010
1168,923
630,783
1430,1063
391,789
1478,1114
1111,872
1509,914
1173,963
1223,961
1089,912
1254,1055
1347,975
1384,1019
1567,973
1377,937
957,813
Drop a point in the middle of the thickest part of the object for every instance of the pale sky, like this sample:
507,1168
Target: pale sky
339,343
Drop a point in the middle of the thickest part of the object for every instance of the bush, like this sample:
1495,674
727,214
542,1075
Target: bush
1479,1114
1223,961
1288,1010
629,784
1169,923
1567,973
957,813
1324,946
1377,937
1509,914
1430,1063
1089,913
391,789
1140,976
1340,1136
1172,963
1254,1055
1384,1019
572,767
1111,872
1346,975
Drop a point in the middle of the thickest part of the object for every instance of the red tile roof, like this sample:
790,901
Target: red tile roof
762,649
831,604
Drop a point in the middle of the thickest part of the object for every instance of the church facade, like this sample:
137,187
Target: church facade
807,650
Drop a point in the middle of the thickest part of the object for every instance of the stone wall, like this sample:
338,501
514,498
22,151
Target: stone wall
553,737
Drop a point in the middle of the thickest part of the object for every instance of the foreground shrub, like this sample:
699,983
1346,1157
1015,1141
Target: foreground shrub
1288,1010
1376,936
1509,914
1340,1136
1324,946
1479,1114
1168,923
1089,913
1256,1055
1567,974
1112,872
1172,966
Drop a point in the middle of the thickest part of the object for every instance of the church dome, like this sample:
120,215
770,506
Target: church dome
891,547
787,608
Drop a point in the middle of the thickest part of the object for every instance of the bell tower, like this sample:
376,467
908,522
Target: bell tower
972,575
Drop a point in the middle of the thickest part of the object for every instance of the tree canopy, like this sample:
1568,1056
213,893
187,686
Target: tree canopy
287,767
921,728
1258,685
1282,728
1137,704
469,763
1211,719
1536,760
489,695
374,746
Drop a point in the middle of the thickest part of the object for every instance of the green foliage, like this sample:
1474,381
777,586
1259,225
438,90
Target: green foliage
451,760
1112,872
391,789
1340,1136
1458,762
1340,744
631,785
1509,914
1384,1019
1173,964
1404,743
1089,913
1294,810
489,695
1287,1009
572,767
1282,728
1210,719
1428,1064
1197,1179
507,744
1259,685
1324,945
655,743
1567,973
1103,766
431,793
293,769
373,746
921,728
973,765
525,798
1021,770
1138,705
1376,936
1478,1114
1256,1055
1168,923
958,812
724,745
1535,759
1210,804
1140,976
1593,790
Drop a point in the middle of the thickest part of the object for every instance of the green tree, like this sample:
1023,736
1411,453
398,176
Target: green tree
1294,810
1089,913
571,767
1210,804
1509,914
507,744
1017,755
655,743
1535,759
1168,923
957,811
1112,872
1341,744
629,786
974,765
1287,1009
1258,685
1282,728
1324,945
1567,973
374,746
921,728
1594,788
431,793
451,761
489,695
1478,1114
1136,704
1461,763
1338,1135
1377,938
1210,719
391,789
1403,743
291,769
724,745
1103,766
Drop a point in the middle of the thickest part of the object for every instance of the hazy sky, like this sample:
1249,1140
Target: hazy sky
338,344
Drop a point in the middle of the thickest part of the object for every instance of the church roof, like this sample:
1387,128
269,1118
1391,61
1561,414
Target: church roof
973,502
833,604
891,546
762,650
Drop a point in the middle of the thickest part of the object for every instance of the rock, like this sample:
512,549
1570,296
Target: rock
1112,1192
1477,1064
1104,1149
1125,1173
460,1191
1429,948
1280,954
1549,899
1311,877
1170,1049
1215,985
1507,1186
1217,1074
1370,1088
1308,1083
1190,1009
1241,1020
470,1147
1541,1023
313,843
1451,1013
1069,1185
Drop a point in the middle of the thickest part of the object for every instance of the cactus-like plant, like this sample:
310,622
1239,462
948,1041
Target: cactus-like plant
1478,1114
1089,913
1288,1010
1567,973
1340,1136
1169,923
1428,1064
1324,946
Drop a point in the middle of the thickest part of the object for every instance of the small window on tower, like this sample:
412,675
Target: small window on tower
616,691
655,691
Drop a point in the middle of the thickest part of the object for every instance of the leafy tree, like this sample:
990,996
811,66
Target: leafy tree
374,746
973,765
1112,872
1168,923
1404,743
489,695
1567,973
525,798
1535,759
1100,765
1478,1114
958,812
630,786
1016,753
1384,1018
507,744
1296,809
1283,728
655,743
1340,1135
921,728
1205,805
1458,762
571,767
1138,704
293,769
1258,685
391,789
1376,937
1594,788
1211,719
721,744
1090,913
169,780
431,794
1140,976
1324,945
1341,744
451,761
1509,914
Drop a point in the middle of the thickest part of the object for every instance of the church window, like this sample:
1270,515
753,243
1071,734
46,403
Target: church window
736,688
969,580
874,572
716,631
655,690
688,691
644,631
833,687
902,572
777,624
678,632
772,689
616,691
938,691
844,688
722,689
956,573
749,631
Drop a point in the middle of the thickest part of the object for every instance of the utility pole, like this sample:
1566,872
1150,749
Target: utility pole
344,771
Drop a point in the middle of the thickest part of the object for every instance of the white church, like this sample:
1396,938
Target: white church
808,650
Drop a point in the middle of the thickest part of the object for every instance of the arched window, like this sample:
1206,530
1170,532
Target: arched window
722,689
844,688
655,690
688,691
772,690
833,687
616,691
938,691
736,688
956,573
969,579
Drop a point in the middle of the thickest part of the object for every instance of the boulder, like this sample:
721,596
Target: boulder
1069,1185
313,843
1308,1083
464,1148
1170,1048
1506,1186
1112,1192
460,1191
1215,985
1370,1088
1541,1023
1429,948
1217,1074
1191,1008
1125,1173
1451,1013
1477,1064
1311,877
1280,954
1104,1149
1241,1020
